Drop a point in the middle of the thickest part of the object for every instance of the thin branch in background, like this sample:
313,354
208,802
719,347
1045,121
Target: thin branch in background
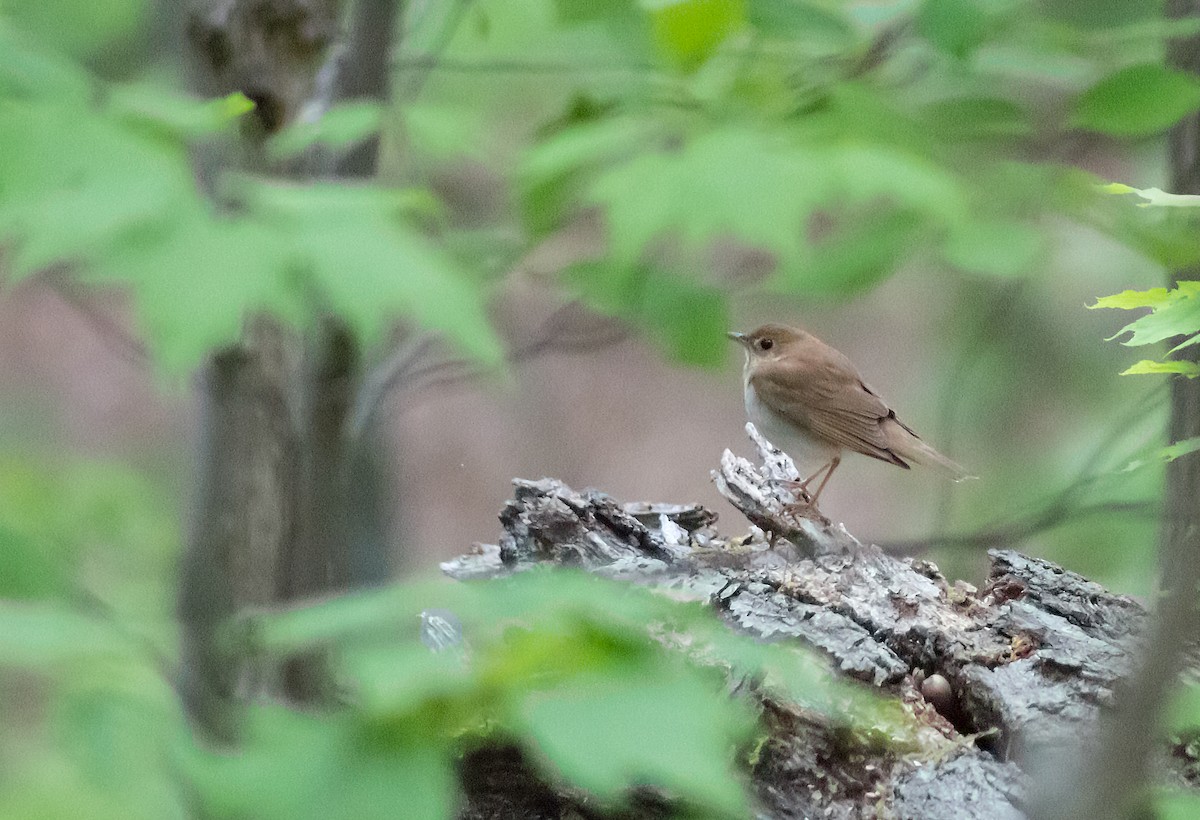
1062,508
881,48
383,379
1013,533
434,59
569,329
115,335
428,63
92,603
558,334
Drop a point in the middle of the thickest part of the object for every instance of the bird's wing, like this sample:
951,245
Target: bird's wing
824,394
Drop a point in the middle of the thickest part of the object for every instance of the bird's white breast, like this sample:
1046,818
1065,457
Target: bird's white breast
808,453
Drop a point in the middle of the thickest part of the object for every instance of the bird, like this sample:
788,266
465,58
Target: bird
810,400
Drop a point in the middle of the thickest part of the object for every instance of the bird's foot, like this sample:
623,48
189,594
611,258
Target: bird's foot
806,509
805,505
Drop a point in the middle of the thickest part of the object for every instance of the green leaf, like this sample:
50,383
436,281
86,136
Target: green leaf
957,27
366,258
971,118
856,254
29,568
35,636
1129,299
1189,369
196,282
1163,455
1137,100
1169,236
997,247
801,19
1176,804
717,184
1100,14
551,171
583,11
72,185
176,115
867,173
1179,316
1154,196
670,728
374,782
54,522
583,145
29,70
1181,448
81,29
292,765
760,189
691,319
400,680
1183,708
120,740
688,31
444,129
338,128
571,654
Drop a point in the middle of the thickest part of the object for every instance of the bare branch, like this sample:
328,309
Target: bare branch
118,338
1012,534
569,329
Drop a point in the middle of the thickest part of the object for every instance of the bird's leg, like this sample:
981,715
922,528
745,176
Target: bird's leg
802,486
809,504
829,465
833,465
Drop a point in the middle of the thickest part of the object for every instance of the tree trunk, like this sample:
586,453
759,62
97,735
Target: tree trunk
278,472
1181,517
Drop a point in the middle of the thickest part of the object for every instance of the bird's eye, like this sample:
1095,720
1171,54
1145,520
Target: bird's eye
766,344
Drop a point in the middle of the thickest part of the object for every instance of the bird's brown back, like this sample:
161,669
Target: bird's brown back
818,389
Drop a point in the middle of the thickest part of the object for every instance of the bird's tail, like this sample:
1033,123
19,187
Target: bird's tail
909,446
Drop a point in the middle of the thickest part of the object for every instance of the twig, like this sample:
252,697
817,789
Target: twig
383,379
434,60
117,337
552,338
401,369
1013,534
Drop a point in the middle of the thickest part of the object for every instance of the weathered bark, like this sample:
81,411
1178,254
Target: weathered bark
1024,667
316,562
242,519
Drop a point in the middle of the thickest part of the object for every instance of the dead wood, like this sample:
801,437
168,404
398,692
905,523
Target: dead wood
1023,666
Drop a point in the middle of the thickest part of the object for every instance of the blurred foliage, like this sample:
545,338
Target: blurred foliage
1181,722
608,685
1174,313
97,177
840,141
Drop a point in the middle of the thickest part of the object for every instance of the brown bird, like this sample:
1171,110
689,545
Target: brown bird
810,400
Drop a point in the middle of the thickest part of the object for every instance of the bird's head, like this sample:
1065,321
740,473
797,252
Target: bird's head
770,341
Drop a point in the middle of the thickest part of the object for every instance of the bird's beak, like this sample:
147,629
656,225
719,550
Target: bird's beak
740,338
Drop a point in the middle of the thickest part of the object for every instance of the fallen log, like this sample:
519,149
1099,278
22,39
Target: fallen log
1014,672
